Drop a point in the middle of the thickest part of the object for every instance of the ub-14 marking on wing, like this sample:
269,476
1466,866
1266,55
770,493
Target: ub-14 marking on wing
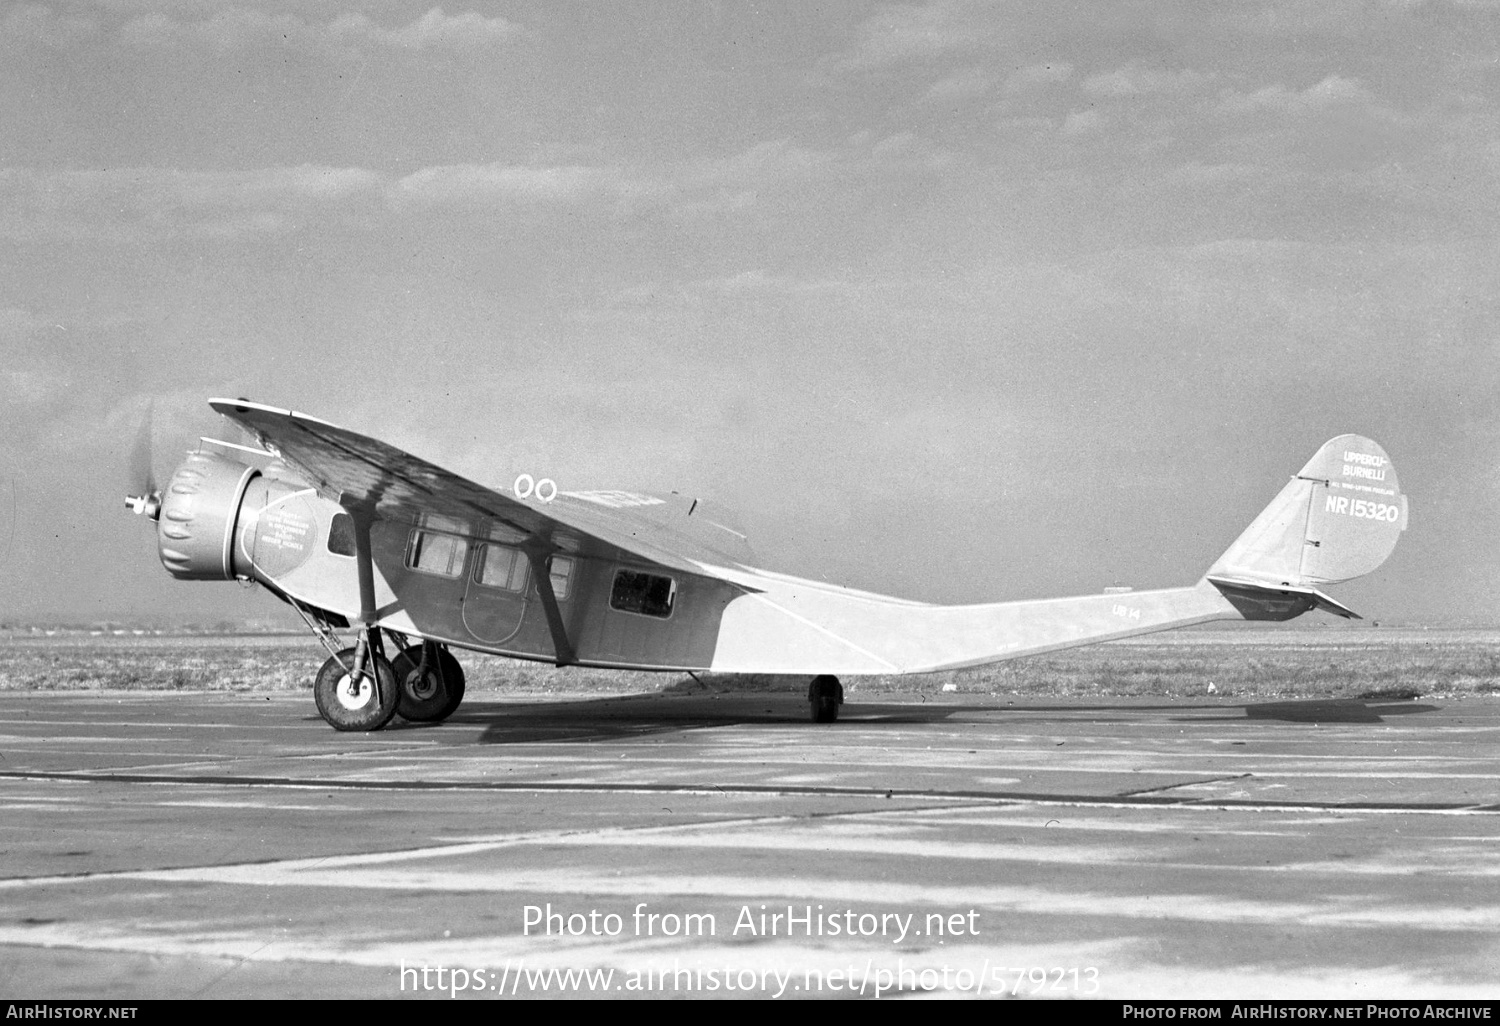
354,533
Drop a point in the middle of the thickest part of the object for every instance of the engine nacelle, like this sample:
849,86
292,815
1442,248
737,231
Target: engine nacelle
199,510
223,520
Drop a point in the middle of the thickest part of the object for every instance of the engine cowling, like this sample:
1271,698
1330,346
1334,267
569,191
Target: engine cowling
199,511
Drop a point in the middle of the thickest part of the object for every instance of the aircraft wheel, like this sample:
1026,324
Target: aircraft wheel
825,694
429,697
364,707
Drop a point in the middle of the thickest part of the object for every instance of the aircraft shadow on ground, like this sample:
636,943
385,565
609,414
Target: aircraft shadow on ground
597,719
612,717
1335,710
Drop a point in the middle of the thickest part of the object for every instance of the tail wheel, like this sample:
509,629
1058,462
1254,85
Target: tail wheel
348,704
825,694
430,696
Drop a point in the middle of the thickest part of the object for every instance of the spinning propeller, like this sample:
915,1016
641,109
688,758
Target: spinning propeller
143,497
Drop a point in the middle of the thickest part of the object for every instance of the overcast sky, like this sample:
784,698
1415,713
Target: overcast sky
958,301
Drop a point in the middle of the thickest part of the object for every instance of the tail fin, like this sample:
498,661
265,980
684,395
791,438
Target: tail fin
1337,519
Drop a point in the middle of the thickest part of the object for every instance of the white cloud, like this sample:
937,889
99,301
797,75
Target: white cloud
1027,124
165,202
746,281
966,84
902,33
128,7
489,183
433,29
235,28
1137,79
777,158
26,23
782,163
911,150
760,281
33,388
647,303
17,323
148,202
1215,174
1332,91
1081,122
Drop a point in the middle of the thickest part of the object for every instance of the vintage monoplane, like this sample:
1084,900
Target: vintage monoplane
352,532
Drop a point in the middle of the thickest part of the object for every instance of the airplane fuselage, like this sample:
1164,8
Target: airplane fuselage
464,582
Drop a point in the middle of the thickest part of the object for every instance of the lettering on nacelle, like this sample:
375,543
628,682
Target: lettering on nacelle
1362,508
283,528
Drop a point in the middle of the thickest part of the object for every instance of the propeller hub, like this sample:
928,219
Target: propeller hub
145,505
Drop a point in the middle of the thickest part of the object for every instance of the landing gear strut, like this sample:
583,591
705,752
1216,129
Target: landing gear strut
356,689
825,694
358,693
430,682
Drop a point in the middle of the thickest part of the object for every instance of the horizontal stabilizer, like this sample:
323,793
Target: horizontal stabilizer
1259,601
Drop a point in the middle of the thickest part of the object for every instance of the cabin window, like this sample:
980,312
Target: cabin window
441,554
646,594
561,576
501,566
341,535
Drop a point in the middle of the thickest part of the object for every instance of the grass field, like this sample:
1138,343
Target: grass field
1248,663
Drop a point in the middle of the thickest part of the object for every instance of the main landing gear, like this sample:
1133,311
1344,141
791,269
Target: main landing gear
430,682
825,694
360,689
355,693
357,688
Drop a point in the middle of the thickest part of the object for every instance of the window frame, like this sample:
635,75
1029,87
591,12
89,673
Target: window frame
672,593
335,529
413,554
567,589
482,563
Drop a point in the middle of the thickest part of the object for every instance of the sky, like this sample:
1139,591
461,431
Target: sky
955,301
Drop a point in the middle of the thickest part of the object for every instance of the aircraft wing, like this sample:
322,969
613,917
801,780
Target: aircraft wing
356,470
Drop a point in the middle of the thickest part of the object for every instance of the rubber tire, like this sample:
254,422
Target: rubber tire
824,696
437,702
371,714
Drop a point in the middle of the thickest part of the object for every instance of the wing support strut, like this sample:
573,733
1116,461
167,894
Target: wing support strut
541,571
364,562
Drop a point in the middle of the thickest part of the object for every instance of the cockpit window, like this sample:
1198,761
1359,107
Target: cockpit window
341,535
